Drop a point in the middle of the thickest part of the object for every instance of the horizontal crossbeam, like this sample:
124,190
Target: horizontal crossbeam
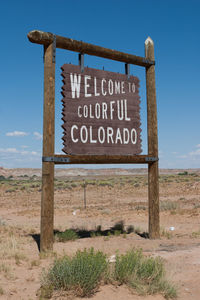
100,159
46,38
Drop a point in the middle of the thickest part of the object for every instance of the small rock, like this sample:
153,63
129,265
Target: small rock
112,258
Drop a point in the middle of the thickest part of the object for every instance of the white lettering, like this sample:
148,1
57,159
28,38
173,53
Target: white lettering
126,135
72,133
85,111
133,132
87,77
95,87
104,110
118,136
75,85
79,114
91,116
117,87
120,116
126,111
129,87
97,111
84,140
122,87
110,87
102,87
110,135
91,139
101,131
111,109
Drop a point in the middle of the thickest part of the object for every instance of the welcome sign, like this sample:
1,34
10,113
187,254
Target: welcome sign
101,112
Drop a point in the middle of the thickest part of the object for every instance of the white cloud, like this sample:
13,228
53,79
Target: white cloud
34,153
17,133
19,157
191,155
21,152
194,153
24,152
37,135
9,150
24,146
182,156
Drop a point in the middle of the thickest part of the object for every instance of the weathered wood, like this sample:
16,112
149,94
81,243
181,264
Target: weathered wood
153,186
45,38
99,112
47,201
104,159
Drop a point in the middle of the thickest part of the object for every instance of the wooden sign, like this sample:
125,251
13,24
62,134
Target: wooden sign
101,112
101,116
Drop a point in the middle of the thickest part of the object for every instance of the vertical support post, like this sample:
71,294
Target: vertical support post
47,200
127,70
84,186
153,183
81,61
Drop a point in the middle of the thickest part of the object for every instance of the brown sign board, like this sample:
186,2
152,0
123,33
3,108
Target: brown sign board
101,112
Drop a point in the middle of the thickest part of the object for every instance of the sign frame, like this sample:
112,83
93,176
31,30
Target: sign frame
49,159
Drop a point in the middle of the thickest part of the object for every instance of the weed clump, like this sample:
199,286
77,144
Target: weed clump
145,274
81,273
183,173
67,235
168,205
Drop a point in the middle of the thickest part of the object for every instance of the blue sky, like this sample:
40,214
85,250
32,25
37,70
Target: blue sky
124,25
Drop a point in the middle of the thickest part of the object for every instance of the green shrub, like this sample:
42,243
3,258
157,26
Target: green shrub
183,173
145,274
67,235
125,265
196,234
81,273
74,185
105,183
1,291
117,232
119,226
130,229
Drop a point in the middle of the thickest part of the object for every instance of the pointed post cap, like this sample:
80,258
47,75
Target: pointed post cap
149,40
149,48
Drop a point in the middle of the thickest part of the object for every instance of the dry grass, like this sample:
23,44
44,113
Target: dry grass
11,247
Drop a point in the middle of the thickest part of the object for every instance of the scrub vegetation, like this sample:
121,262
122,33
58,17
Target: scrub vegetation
83,273
89,205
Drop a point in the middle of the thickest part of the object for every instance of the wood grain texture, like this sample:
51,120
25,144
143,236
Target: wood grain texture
103,159
47,201
109,104
45,38
153,186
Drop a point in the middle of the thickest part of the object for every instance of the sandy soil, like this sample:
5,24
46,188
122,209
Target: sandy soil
111,196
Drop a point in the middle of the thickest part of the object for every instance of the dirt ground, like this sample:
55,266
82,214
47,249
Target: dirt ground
110,196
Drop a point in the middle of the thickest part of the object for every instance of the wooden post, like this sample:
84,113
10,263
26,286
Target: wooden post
153,190
84,185
47,201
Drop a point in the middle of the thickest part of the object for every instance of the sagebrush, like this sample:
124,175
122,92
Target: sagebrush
86,270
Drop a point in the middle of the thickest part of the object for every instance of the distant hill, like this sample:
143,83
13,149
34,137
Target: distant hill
61,172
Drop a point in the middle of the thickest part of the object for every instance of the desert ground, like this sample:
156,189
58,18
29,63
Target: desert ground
90,199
